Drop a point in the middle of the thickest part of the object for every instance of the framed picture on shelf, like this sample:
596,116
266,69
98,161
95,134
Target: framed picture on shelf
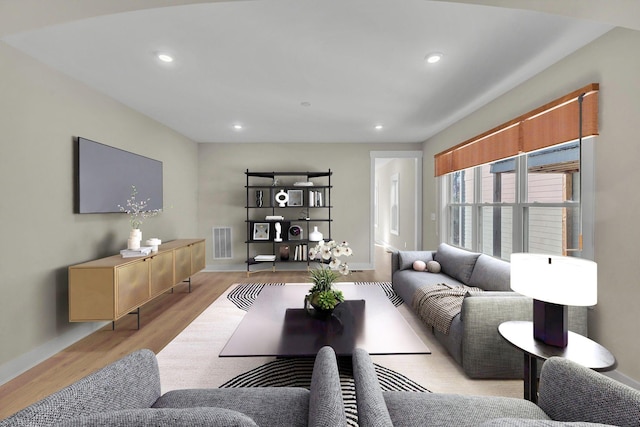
261,231
295,197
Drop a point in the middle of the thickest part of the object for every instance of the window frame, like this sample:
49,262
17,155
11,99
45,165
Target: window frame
521,207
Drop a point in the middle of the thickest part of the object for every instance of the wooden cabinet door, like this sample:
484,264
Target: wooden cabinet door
197,257
132,286
161,272
183,263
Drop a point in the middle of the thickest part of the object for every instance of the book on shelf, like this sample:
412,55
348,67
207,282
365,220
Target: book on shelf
300,252
315,199
131,253
265,257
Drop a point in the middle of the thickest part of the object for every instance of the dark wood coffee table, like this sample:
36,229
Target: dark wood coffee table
277,325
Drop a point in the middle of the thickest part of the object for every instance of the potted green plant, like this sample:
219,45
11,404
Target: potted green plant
323,297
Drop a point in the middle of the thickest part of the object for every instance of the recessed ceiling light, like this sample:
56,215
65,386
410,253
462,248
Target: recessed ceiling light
237,126
305,104
164,57
379,127
434,57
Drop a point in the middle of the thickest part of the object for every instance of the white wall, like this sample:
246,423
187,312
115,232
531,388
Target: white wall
608,61
41,112
222,194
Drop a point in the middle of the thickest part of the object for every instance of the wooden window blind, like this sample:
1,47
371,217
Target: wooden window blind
550,124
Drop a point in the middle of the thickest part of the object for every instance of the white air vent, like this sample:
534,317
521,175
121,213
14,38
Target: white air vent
222,243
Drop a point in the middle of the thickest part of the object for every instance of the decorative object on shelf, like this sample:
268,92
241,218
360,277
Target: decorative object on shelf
137,211
278,237
154,243
284,253
259,198
554,282
303,184
315,235
322,297
273,218
261,231
295,197
295,232
304,215
282,198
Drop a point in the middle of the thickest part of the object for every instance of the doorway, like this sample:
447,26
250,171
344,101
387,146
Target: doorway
396,200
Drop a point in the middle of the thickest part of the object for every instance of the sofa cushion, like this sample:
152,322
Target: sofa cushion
407,258
491,274
455,262
408,408
210,417
265,405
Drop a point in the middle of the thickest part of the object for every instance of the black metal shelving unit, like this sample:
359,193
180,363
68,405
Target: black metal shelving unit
308,206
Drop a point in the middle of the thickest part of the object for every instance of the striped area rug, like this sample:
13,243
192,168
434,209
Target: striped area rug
296,372
246,293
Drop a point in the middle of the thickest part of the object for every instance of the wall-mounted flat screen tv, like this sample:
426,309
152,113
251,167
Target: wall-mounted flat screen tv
105,176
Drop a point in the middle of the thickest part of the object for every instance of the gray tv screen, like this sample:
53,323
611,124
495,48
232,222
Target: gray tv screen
106,174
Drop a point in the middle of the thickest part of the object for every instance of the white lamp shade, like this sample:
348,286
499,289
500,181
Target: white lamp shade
555,279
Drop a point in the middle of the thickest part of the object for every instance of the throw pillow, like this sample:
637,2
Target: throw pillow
419,265
433,267
151,417
407,258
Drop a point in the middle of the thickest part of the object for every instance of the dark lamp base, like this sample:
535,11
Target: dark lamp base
550,323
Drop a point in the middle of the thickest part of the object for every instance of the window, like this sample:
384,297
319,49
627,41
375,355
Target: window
526,203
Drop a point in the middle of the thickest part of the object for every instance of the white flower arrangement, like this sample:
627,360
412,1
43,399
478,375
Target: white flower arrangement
333,252
137,209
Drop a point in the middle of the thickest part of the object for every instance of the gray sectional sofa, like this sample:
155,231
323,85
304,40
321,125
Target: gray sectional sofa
473,339
127,393
569,394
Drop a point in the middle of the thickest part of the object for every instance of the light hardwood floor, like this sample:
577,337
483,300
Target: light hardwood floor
161,320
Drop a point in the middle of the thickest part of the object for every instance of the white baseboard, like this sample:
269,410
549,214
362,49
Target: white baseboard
24,362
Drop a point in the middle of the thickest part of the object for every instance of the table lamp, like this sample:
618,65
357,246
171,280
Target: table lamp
554,282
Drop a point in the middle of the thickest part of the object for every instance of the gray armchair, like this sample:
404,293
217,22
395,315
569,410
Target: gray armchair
127,392
568,393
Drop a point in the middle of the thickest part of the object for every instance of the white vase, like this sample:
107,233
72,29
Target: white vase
135,237
315,235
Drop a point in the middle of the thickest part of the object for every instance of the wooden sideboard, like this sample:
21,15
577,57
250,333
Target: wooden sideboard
109,288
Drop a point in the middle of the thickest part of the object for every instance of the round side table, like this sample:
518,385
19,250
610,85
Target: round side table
580,349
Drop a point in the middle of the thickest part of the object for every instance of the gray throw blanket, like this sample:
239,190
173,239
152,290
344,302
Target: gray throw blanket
438,304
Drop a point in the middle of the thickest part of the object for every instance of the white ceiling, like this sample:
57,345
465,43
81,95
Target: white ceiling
357,63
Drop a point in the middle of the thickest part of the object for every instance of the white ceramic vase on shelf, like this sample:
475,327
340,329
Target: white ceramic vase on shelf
135,237
315,235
